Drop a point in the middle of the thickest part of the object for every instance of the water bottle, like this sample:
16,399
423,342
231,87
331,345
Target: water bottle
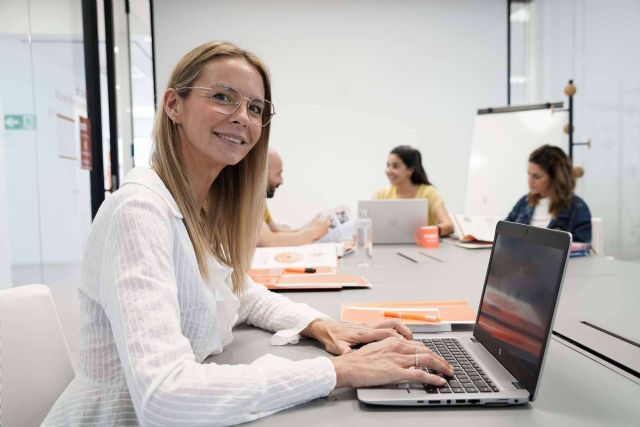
364,239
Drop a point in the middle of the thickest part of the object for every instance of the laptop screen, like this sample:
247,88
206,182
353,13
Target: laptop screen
519,299
396,221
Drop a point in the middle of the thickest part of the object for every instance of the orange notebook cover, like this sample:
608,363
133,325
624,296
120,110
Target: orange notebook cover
255,272
297,282
447,311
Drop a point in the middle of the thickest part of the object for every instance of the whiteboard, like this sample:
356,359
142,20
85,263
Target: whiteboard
500,148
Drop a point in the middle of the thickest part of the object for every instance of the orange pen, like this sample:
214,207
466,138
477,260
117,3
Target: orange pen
300,270
412,316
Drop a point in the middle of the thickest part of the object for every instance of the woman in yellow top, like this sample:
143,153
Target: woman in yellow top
409,181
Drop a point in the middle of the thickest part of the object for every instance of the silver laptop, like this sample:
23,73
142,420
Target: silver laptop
396,221
501,362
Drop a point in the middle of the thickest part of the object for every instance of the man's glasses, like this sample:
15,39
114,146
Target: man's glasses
226,100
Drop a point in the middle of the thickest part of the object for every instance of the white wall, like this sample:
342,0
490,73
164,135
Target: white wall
353,79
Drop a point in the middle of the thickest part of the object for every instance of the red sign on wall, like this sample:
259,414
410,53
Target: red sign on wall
86,161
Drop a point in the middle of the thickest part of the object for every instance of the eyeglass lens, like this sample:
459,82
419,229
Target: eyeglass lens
227,100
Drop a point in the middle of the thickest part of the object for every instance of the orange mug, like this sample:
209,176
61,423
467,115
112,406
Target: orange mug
428,237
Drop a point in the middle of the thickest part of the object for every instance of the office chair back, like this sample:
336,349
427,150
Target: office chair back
597,235
35,360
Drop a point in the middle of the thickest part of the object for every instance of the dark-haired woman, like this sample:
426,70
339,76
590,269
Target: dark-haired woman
409,181
551,202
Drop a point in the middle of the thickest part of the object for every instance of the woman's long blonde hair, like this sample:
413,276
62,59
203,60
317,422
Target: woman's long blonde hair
227,226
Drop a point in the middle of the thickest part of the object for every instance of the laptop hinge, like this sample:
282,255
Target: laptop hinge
517,385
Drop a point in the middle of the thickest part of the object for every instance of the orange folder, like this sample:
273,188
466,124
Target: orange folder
276,272
449,312
298,282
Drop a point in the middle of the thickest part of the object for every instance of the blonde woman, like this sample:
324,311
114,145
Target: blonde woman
164,275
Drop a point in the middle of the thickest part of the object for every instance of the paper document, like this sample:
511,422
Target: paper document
319,255
472,228
341,225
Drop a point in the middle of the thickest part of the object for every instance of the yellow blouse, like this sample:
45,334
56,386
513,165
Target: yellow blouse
428,192
267,215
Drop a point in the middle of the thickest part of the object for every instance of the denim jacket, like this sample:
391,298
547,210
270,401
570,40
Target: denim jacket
576,219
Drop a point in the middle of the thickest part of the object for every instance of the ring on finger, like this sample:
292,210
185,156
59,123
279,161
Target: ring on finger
417,359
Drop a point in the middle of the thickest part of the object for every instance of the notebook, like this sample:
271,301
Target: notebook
502,361
474,228
396,221
445,313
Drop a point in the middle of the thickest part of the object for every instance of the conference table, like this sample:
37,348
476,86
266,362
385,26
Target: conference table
577,387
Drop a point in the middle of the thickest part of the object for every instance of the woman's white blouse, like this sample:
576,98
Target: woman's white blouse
149,320
541,216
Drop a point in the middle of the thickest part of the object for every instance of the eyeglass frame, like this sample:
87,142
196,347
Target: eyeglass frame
273,107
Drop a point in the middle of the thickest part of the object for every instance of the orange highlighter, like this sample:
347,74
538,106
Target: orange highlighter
300,270
412,316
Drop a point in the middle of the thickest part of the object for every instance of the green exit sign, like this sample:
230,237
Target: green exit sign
20,121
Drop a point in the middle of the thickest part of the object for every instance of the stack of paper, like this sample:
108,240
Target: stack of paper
321,256
579,249
296,268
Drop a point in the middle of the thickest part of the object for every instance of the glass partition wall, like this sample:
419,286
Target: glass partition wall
47,153
589,42
142,79
45,202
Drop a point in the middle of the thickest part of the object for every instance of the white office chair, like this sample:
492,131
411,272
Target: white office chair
597,235
34,357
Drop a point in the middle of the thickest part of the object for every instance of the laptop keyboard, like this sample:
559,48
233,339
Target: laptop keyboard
468,375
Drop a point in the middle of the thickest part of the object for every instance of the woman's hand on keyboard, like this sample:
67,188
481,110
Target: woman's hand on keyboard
389,361
340,337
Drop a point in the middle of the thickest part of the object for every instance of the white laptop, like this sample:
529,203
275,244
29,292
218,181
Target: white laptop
396,221
501,362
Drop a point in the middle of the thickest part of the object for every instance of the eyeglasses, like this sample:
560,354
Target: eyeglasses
226,100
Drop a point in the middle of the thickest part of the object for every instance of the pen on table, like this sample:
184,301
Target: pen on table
407,257
300,270
429,256
412,316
